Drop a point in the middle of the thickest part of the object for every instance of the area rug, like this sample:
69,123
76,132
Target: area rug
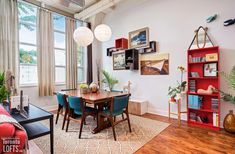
143,130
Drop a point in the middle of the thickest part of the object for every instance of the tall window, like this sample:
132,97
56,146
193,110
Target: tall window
81,56
27,43
59,48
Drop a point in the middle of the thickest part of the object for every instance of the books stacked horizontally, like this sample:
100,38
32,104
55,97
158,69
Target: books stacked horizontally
194,74
214,103
215,119
192,86
194,101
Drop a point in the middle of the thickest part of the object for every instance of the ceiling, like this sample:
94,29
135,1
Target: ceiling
72,8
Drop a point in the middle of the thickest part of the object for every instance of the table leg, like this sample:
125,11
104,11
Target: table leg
51,135
101,123
179,116
169,110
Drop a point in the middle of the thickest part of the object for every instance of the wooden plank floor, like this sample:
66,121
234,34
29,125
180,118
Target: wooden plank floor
187,139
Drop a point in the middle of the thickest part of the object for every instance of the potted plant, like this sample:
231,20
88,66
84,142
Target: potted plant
84,88
229,120
3,90
109,80
174,92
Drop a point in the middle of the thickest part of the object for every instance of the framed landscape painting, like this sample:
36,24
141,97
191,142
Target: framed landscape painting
139,38
157,64
119,61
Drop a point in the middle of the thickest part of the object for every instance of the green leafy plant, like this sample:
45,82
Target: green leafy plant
109,80
173,91
3,91
230,78
83,86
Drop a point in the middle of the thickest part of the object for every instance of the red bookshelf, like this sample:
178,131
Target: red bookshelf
204,115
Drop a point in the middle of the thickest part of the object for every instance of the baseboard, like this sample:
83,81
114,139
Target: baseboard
165,114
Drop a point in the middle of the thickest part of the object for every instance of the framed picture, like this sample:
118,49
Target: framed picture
157,64
139,38
152,47
210,70
119,61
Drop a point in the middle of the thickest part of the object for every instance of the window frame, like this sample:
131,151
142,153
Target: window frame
27,44
61,49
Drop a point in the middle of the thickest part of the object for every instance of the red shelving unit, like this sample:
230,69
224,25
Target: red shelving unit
205,111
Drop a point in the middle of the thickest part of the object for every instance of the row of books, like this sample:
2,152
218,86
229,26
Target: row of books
192,86
194,101
197,59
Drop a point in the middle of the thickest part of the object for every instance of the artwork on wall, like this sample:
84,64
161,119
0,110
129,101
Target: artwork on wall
210,70
119,61
139,38
157,64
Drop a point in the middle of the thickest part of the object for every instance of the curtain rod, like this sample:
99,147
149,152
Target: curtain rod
52,9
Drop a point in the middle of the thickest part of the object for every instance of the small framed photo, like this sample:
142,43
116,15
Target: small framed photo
210,70
119,61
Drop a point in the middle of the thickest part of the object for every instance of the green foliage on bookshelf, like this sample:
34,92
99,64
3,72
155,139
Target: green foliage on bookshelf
230,78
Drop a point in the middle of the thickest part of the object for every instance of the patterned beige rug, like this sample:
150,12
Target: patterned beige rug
143,130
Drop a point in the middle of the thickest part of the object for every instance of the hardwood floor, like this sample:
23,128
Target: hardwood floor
187,139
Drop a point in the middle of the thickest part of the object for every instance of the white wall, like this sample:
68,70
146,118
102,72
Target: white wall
172,24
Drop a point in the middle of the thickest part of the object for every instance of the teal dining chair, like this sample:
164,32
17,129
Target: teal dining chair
118,106
78,106
62,104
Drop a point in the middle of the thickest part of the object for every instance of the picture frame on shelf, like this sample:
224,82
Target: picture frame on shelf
210,70
119,61
152,47
211,57
139,38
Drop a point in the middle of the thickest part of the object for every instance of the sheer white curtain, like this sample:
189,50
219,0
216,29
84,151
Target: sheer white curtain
9,51
71,55
45,47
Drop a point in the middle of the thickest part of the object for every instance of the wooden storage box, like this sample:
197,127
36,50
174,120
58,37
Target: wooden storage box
137,107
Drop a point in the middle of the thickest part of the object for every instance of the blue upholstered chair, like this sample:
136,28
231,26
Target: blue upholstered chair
62,104
77,106
118,106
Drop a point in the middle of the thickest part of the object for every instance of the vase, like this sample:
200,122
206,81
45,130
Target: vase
173,99
94,87
229,122
84,90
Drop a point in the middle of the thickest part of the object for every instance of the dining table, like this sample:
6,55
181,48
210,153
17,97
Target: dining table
98,99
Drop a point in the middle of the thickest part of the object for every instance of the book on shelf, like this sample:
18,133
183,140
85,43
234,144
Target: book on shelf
215,119
194,101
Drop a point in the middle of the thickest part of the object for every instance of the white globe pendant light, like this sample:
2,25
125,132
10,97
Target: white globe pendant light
83,36
103,32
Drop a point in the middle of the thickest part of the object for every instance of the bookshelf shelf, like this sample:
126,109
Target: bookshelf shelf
212,95
208,113
203,78
193,63
205,110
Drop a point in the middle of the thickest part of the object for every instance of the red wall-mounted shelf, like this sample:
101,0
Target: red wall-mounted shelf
202,82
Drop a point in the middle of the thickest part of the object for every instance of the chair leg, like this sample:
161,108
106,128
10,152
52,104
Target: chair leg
122,116
65,117
68,123
114,119
128,119
81,125
57,116
112,123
